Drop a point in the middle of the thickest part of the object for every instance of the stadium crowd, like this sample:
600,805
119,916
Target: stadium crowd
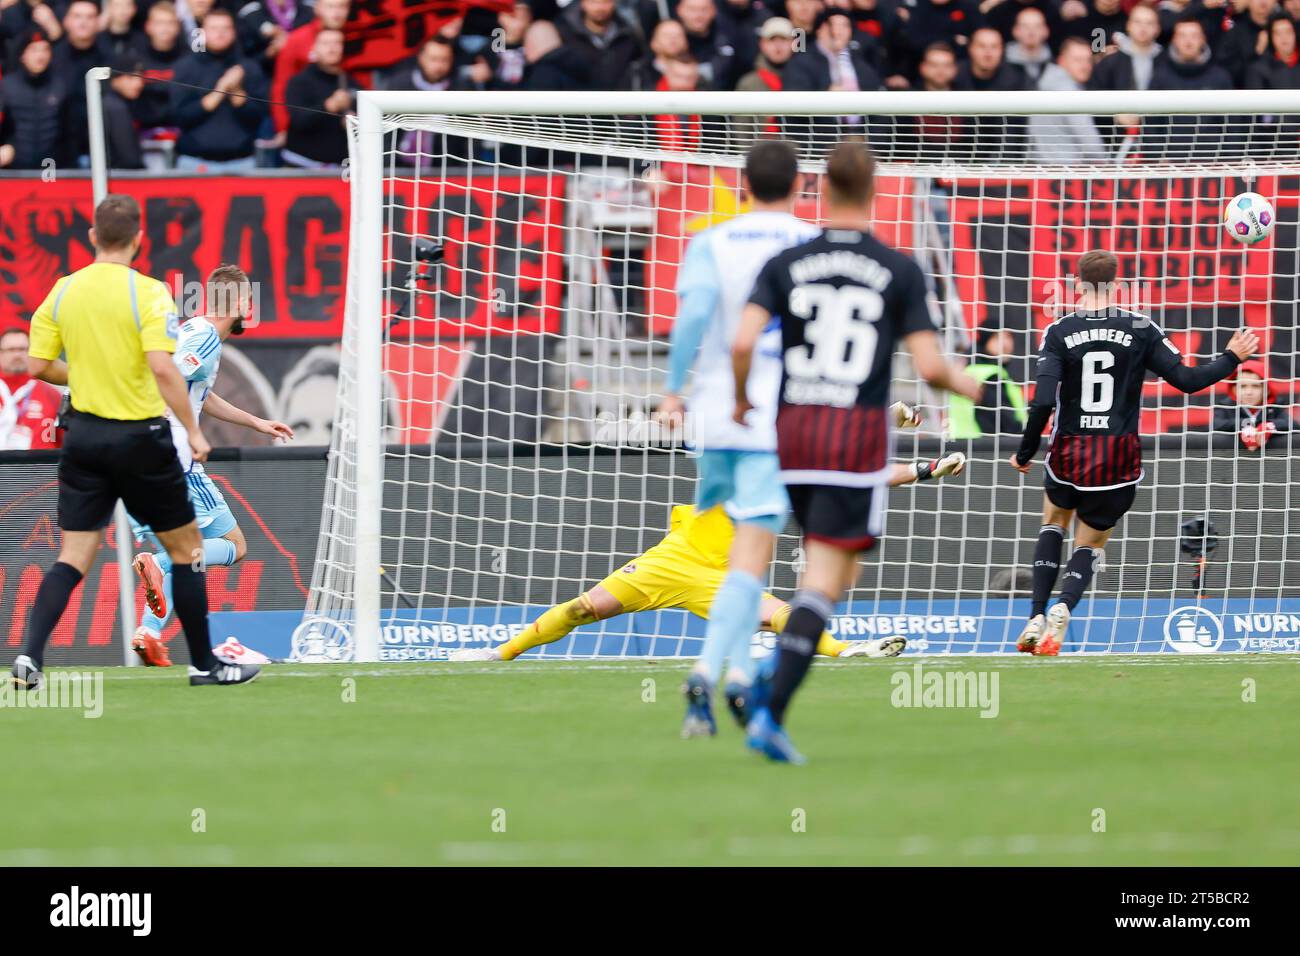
239,70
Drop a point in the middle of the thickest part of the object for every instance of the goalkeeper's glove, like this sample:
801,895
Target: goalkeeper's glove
953,463
904,415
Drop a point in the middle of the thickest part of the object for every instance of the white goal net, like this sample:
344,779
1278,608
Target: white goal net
510,302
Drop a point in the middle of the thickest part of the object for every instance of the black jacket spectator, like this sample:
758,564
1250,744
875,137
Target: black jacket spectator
811,70
257,21
121,133
70,64
613,54
1237,50
937,21
709,40
1106,16
1183,136
154,107
1269,72
560,69
35,112
743,19
1002,17
880,33
227,132
1126,68
1233,418
314,132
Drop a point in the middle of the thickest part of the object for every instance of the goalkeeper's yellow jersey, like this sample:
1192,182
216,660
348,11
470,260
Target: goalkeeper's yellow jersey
708,533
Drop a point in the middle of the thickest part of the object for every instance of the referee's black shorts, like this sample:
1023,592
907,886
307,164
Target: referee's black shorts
104,460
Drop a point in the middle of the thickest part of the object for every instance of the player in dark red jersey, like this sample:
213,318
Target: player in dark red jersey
1091,365
845,301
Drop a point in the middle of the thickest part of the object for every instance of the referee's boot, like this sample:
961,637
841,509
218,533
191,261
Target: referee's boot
25,674
224,673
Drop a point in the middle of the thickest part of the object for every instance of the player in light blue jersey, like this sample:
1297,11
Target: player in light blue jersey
198,356
737,464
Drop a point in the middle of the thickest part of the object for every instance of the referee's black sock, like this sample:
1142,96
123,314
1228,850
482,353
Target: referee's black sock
190,597
810,610
1078,574
51,601
1047,564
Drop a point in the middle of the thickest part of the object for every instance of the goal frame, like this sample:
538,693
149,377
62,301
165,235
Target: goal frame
366,172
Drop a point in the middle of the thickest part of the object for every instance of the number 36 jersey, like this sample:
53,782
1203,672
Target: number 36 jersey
1097,362
844,300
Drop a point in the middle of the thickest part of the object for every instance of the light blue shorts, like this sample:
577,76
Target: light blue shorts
747,482
210,509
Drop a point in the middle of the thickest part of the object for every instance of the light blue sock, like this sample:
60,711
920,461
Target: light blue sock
732,622
217,552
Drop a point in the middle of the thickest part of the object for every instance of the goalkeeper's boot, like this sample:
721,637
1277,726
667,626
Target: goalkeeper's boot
150,648
146,566
764,736
467,655
699,720
225,673
25,675
880,647
1058,621
953,463
1031,635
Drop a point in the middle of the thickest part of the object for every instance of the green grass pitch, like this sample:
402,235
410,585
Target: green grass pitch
580,762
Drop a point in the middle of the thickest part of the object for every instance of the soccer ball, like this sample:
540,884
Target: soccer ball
1249,218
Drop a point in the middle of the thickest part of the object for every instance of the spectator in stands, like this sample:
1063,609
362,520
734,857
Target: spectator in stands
1061,138
834,61
879,26
1252,414
433,68
1132,65
803,14
119,34
191,13
987,71
684,133
35,106
264,26
775,48
1189,65
161,55
507,53
667,42
936,136
80,49
17,20
296,53
938,21
319,98
120,127
1001,14
28,406
1029,49
710,42
1001,409
987,68
1247,39
744,19
608,40
1100,21
1279,67
550,64
218,129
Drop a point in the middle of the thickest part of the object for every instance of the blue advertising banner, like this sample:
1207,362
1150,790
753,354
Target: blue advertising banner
1166,625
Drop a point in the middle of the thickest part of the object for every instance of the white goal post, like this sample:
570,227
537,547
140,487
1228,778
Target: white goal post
540,486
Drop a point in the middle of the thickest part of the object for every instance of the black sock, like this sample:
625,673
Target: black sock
1078,574
810,612
190,597
1047,563
51,601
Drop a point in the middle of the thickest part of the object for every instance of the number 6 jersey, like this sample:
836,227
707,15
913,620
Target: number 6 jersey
844,300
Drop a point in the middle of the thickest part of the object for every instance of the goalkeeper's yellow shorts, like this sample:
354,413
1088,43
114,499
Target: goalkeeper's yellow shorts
666,576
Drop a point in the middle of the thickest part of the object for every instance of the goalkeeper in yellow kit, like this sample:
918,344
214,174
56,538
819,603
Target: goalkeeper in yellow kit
685,570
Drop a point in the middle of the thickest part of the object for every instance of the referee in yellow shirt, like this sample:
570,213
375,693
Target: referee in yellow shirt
118,329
